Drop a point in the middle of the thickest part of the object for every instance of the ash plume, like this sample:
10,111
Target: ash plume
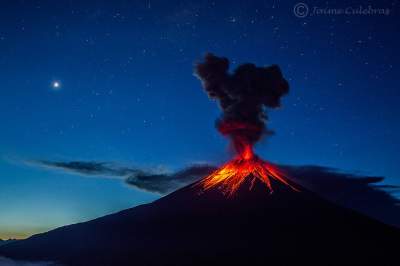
243,96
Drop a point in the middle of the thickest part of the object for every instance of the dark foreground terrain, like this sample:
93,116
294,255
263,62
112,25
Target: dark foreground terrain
188,227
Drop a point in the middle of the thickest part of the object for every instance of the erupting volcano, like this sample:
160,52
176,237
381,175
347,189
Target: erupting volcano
236,220
243,97
247,165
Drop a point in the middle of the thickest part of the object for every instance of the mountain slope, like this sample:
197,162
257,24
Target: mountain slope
190,227
3,242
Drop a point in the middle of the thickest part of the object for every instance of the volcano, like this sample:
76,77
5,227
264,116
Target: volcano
247,212
199,225
232,175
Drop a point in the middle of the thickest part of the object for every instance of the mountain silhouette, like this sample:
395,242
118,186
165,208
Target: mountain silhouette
195,227
3,242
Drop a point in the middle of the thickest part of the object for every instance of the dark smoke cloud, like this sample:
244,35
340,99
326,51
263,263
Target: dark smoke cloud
163,183
365,194
151,181
243,96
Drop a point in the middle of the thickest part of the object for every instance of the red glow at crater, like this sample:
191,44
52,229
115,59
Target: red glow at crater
233,174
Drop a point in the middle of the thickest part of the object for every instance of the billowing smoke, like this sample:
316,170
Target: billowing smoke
243,97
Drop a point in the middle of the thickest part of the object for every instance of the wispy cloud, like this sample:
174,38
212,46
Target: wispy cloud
366,194
363,193
164,183
88,168
148,180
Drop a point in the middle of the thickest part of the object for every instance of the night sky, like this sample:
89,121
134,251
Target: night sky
113,81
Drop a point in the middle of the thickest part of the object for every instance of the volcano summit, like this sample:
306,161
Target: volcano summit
232,175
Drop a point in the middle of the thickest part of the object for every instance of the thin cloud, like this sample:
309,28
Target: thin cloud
148,180
88,168
164,183
366,194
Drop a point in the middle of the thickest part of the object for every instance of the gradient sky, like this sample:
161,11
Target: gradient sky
127,94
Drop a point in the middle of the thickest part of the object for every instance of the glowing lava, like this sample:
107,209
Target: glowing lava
233,174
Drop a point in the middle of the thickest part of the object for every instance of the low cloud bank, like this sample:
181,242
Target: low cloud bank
144,179
10,262
366,194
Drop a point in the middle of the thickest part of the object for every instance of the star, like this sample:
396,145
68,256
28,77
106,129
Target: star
232,19
56,85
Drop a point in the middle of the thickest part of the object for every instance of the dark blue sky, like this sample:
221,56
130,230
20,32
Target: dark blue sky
127,94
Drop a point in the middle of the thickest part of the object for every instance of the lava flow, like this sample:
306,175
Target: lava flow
233,174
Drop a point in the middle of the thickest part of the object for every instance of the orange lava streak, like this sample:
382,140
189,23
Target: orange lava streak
232,175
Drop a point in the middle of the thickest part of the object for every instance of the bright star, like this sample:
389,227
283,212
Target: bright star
56,85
